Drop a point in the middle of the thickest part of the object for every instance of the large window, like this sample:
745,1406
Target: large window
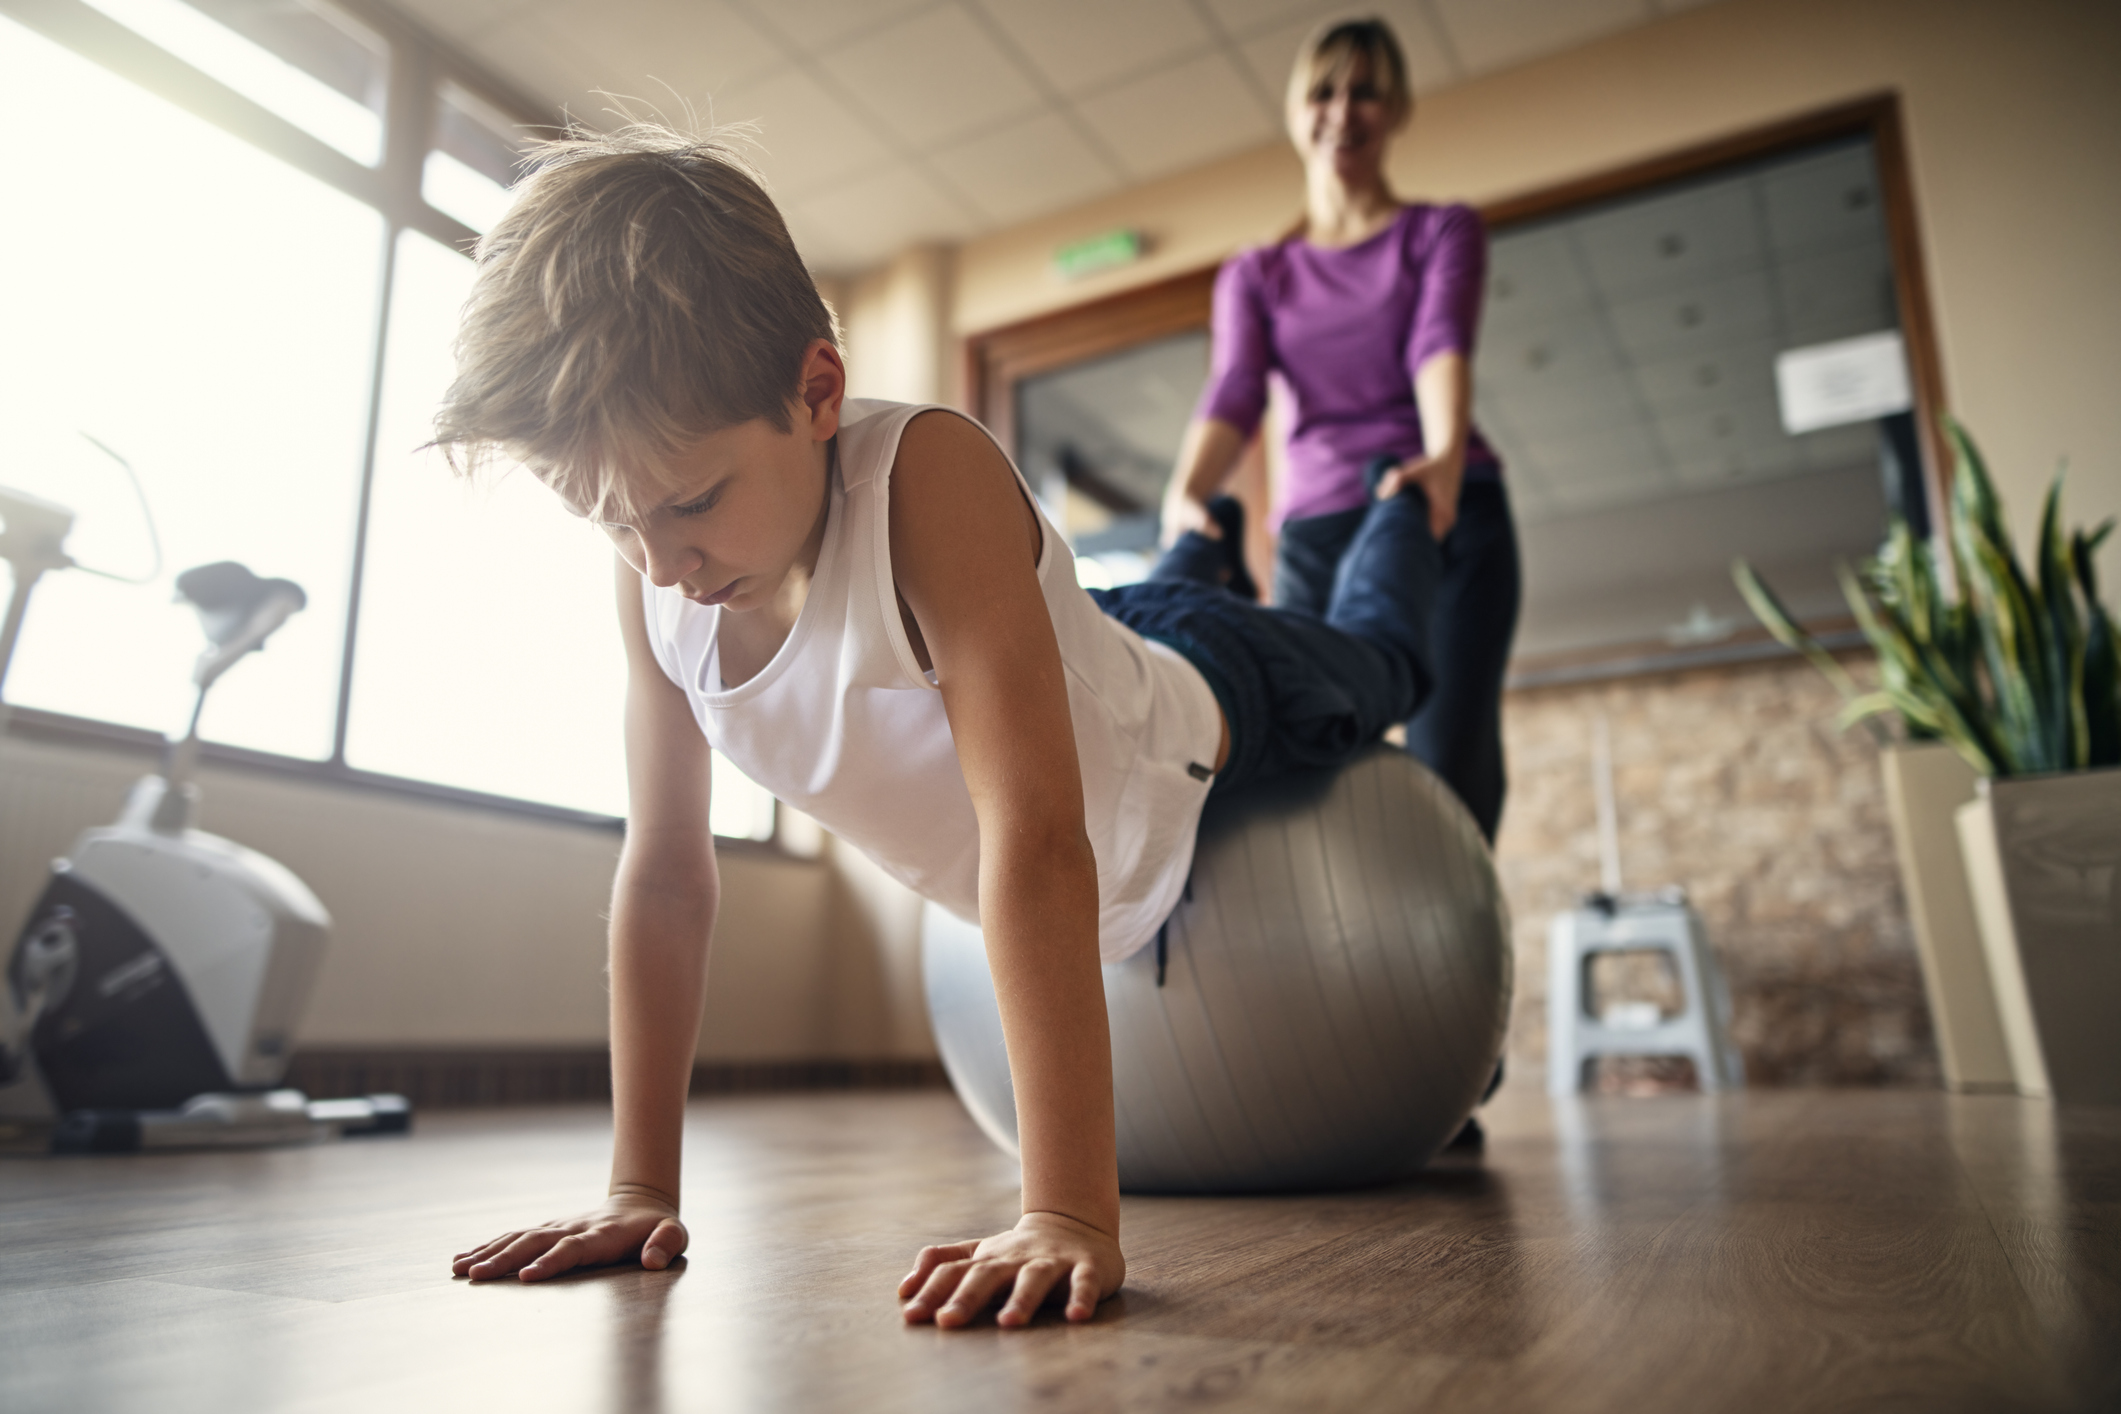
194,300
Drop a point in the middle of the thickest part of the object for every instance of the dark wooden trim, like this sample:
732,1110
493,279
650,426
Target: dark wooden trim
449,1078
1918,325
1823,125
998,358
1876,117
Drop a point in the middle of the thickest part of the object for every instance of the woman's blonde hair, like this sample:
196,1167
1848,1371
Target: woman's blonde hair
1333,48
641,291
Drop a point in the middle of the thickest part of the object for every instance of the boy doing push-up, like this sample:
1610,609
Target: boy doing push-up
860,604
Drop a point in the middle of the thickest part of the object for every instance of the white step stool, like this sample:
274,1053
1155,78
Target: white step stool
1632,923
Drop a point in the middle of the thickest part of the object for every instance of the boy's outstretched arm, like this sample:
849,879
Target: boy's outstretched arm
662,913
964,548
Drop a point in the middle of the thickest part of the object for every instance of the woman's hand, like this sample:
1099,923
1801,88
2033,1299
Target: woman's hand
626,1223
1206,457
1439,478
1044,1253
1183,513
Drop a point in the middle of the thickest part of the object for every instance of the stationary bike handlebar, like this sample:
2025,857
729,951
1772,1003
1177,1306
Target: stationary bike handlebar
285,600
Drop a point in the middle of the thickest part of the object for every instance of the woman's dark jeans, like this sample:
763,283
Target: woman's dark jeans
1457,730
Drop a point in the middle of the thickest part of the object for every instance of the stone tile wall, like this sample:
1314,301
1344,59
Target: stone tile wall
1737,784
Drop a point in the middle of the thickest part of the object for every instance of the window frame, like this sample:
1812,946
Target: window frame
418,68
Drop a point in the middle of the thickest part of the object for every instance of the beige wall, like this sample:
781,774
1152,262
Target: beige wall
2014,126
895,322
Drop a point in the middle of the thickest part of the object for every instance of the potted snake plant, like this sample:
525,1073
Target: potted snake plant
2019,675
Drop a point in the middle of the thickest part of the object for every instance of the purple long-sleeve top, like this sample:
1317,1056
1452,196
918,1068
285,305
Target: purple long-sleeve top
1344,331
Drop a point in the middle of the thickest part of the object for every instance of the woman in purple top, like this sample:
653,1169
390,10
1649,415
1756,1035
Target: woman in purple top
1366,315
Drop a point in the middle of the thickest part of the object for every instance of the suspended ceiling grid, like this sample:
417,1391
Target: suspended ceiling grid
1628,353
887,122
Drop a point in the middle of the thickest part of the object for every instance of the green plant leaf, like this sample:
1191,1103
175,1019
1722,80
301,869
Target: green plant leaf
1786,630
2005,666
2061,636
1914,682
2100,683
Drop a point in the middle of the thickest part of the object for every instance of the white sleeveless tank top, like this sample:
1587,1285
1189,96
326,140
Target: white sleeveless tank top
844,725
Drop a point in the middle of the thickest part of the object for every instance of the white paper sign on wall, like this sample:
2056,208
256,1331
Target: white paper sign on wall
1849,380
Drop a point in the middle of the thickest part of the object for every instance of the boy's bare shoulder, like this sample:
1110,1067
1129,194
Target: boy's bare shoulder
952,481
943,435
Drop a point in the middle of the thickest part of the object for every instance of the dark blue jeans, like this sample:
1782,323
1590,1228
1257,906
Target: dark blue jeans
1457,730
1301,689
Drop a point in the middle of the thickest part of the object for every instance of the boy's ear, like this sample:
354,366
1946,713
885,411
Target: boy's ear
824,387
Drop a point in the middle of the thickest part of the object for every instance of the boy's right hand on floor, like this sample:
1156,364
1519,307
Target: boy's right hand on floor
1045,1254
625,1224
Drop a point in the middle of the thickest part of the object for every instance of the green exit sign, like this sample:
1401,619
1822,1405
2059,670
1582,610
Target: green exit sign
1106,252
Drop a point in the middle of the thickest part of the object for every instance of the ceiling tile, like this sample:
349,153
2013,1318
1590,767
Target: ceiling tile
1823,202
1579,404
1696,319
1085,42
663,54
1534,278
1491,34
462,20
1609,466
1027,170
1180,118
808,139
933,77
1680,238
812,24
1245,17
1735,431
867,220
1837,295
1743,371
1557,352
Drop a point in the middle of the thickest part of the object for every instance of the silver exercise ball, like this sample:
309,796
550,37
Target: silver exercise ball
1336,987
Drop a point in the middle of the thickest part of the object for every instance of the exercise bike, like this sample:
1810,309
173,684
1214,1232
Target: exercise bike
161,974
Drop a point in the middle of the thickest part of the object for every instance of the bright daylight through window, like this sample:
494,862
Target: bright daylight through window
210,319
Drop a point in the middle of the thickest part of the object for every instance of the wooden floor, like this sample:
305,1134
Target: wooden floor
1777,1251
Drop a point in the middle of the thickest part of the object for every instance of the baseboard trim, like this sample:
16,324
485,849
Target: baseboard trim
468,1078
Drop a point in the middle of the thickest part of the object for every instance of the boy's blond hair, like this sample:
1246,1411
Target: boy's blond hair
641,292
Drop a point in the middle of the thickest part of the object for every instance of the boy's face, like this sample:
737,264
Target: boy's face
743,508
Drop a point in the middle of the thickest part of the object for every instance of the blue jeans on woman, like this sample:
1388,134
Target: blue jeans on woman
1457,730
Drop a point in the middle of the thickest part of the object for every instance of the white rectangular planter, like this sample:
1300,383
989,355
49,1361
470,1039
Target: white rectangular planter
1925,784
2043,863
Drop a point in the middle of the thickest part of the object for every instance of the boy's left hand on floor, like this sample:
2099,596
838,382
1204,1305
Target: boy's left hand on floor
1044,1254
